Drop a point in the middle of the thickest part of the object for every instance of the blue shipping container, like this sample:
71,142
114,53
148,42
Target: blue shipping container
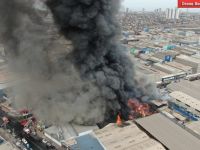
168,58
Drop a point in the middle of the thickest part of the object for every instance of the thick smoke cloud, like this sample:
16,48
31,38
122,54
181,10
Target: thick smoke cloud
51,86
92,27
83,85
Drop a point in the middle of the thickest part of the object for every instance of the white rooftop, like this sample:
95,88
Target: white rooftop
186,99
129,137
188,58
169,133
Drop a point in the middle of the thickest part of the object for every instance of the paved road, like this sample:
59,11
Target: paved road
35,143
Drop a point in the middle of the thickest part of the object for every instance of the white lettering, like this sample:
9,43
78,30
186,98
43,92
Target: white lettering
187,4
197,4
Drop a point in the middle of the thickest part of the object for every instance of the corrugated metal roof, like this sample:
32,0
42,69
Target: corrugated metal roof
194,126
166,68
187,87
188,58
179,66
168,133
186,99
69,130
126,138
85,142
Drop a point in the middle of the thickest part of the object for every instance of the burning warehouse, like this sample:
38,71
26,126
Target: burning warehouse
89,84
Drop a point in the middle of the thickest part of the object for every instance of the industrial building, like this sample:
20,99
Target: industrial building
189,61
155,59
153,74
128,137
195,127
60,134
184,68
171,135
167,69
84,142
162,55
187,87
197,56
189,101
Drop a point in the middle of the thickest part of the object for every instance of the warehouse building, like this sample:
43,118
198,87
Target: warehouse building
60,134
186,51
162,55
187,87
197,56
192,103
167,69
171,135
84,142
189,61
184,68
155,59
195,127
152,74
129,137
108,138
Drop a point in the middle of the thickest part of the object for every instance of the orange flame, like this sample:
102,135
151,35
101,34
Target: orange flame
138,108
119,120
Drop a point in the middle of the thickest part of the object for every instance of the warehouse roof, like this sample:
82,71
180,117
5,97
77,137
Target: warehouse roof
188,87
168,69
85,142
69,131
194,126
168,133
179,66
126,138
188,58
155,59
186,99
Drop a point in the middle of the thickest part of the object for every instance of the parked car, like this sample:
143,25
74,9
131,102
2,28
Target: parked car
24,141
44,141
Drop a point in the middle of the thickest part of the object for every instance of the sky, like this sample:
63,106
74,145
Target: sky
152,4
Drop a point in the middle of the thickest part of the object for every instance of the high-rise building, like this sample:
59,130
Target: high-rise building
172,13
167,13
177,13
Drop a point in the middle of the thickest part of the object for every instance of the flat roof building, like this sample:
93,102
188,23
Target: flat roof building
184,68
194,126
161,55
60,134
84,142
189,61
166,68
186,99
169,133
129,137
155,59
187,87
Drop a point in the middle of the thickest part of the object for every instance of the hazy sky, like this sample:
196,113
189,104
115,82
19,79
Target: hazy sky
151,4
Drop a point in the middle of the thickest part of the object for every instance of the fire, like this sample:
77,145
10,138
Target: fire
138,109
119,120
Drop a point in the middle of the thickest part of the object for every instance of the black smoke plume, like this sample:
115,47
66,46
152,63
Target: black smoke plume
92,27
86,84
